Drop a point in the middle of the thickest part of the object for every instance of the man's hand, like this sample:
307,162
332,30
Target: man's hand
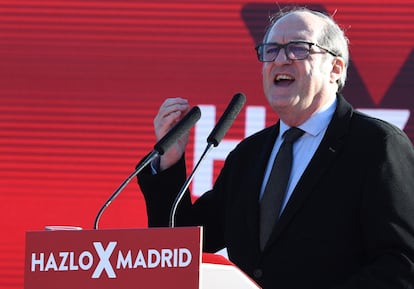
170,112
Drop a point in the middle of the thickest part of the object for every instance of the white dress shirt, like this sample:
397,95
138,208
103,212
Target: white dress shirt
304,148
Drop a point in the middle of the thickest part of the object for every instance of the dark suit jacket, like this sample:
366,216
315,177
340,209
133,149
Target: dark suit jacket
348,224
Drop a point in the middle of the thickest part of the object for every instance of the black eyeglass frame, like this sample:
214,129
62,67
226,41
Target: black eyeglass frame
260,47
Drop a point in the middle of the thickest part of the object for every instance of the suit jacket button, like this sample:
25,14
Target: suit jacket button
257,273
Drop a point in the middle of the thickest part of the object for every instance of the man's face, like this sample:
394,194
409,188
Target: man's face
297,86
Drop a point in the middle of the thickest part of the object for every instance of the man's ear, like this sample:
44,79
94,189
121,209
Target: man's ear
338,67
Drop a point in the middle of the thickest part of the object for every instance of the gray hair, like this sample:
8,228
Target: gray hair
332,36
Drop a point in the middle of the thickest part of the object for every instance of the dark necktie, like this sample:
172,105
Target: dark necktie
276,186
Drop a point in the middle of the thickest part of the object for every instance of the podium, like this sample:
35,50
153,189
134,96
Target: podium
156,258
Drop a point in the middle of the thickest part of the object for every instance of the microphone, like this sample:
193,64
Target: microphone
178,130
227,119
215,137
159,149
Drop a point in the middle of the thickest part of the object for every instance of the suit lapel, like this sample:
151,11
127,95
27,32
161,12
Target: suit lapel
326,153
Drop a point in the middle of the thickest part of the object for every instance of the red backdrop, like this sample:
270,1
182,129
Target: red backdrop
80,82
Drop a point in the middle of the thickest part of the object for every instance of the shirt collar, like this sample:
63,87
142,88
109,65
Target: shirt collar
317,123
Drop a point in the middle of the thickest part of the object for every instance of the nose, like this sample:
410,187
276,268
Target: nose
282,58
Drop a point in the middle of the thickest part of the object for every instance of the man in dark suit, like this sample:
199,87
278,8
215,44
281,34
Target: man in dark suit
347,214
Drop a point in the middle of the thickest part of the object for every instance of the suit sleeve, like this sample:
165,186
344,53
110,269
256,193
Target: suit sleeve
160,191
387,217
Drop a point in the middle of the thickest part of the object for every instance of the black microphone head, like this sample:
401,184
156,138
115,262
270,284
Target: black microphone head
178,130
227,119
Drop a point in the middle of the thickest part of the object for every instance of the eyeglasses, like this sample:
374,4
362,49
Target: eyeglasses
294,50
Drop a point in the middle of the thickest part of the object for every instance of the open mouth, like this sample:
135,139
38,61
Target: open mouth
283,79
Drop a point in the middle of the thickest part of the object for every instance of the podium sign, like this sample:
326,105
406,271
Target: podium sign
122,258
